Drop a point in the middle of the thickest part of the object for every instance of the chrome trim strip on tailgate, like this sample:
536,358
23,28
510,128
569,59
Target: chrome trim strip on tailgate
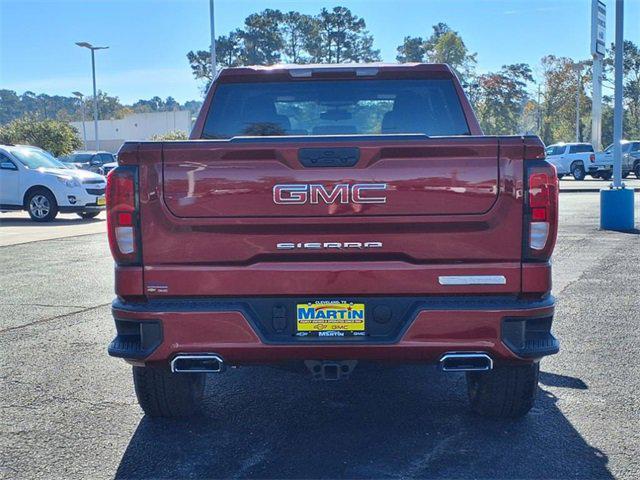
472,280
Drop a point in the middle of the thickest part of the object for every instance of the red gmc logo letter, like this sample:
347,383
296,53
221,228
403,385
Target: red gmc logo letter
299,194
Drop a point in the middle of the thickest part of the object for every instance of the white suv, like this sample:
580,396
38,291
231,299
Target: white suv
32,179
577,159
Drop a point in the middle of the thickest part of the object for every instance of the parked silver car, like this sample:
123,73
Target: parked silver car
89,160
630,157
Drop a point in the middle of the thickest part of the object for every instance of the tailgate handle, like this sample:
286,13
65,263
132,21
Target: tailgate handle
329,157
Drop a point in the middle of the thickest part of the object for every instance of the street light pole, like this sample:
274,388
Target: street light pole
539,119
578,68
95,94
617,109
213,41
84,129
95,99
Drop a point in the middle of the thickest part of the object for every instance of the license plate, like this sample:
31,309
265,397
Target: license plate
328,318
101,201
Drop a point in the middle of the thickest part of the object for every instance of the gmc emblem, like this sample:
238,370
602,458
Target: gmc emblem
344,193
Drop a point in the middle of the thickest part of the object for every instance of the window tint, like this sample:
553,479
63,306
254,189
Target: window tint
106,158
635,147
32,158
338,107
80,157
555,150
580,148
4,158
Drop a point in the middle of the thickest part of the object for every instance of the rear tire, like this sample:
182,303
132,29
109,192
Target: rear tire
577,170
504,392
170,395
88,215
636,170
41,205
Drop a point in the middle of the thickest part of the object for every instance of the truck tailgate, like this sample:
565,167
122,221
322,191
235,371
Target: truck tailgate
210,225
452,176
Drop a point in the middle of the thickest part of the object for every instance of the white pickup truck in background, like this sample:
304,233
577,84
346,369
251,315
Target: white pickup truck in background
578,160
630,158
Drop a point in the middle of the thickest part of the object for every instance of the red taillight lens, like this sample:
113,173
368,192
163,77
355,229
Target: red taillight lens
592,158
541,211
539,190
122,215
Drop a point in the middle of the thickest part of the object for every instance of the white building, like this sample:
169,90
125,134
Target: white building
139,126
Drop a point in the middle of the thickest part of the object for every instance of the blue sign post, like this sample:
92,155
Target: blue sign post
617,202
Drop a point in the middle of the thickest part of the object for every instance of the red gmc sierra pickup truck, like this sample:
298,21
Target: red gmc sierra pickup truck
325,215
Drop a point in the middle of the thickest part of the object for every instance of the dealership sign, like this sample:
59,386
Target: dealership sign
598,27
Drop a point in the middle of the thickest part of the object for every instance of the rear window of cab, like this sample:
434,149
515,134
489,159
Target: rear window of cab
336,107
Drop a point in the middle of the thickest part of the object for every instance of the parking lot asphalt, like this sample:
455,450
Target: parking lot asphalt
17,227
568,184
68,410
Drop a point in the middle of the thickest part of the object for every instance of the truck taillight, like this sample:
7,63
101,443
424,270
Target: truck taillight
122,215
541,210
592,158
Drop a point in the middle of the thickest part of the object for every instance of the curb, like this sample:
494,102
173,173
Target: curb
589,190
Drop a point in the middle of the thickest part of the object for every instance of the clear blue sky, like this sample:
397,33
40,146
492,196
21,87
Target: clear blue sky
148,39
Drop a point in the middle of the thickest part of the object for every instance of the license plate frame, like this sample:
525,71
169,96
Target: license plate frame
336,318
101,201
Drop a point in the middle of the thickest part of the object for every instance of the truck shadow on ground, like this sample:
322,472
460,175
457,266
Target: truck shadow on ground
407,421
58,222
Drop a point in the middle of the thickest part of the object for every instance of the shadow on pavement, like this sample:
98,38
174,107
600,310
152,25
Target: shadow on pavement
562,381
58,222
407,421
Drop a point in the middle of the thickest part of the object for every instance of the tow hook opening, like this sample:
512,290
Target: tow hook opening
330,370
465,362
197,363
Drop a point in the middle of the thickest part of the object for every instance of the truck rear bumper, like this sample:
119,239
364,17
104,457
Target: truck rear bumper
258,330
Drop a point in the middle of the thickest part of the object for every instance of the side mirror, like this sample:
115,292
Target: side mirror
8,166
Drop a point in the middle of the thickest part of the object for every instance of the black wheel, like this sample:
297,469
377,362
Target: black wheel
625,174
504,392
88,215
606,175
636,169
164,394
577,170
41,205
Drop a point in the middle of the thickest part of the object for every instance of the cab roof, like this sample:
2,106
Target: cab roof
337,69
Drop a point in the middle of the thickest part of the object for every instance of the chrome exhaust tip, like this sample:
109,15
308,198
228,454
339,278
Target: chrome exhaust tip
466,362
197,363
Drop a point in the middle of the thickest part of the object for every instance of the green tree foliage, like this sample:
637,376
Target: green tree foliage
630,89
173,135
411,50
269,37
341,37
228,54
297,31
155,104
444,45
69,109
261,38
500,99
57,137
10,106
558,108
